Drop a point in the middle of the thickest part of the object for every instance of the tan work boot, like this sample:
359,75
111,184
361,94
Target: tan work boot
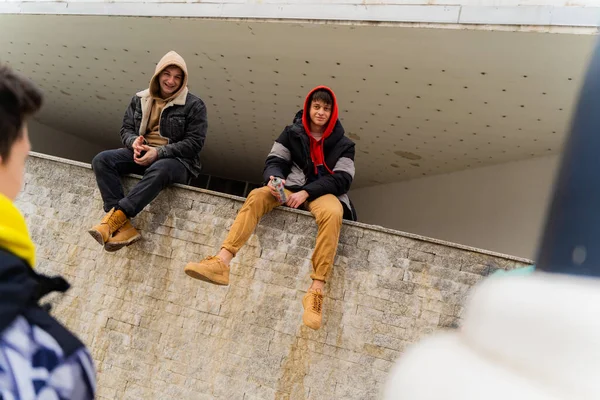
212,269
124,236
111,222
313,308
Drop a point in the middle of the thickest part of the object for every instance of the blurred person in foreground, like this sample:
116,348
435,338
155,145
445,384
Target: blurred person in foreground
532,335
39,357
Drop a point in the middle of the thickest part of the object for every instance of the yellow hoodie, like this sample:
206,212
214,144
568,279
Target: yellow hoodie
14,236
152,134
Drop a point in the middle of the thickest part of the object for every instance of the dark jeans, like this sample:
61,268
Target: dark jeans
109,165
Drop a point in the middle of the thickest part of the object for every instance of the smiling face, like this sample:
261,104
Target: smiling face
170,80
320,112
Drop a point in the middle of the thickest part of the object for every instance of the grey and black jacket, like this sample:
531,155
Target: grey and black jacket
290,159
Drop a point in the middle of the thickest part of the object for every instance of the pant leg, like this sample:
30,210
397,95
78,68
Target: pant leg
328,212
108,167
157,176
259,202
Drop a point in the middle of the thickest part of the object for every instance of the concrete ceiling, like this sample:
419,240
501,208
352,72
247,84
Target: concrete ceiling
417,101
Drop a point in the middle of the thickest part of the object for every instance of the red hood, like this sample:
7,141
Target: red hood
332,119
316,148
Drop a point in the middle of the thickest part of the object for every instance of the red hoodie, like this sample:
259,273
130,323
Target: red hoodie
316,147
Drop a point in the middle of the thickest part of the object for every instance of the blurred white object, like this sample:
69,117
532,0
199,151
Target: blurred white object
523,337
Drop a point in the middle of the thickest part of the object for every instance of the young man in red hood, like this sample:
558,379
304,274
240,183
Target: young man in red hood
316,161
163,132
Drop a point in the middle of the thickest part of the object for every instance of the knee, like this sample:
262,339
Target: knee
331,212
258,199
159,170
258,195
337,213
100,160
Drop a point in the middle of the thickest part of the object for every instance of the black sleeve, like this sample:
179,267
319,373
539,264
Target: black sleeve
128,133
195,134
338,183
16,288
279,160
20,291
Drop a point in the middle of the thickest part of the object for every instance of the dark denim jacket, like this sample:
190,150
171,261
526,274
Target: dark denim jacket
183,123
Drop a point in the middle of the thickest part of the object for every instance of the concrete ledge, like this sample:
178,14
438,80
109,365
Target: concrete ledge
375,228
531,15
359,12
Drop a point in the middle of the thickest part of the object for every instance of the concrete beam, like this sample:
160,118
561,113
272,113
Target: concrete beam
510,12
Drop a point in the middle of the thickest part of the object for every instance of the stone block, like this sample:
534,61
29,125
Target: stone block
398,320
352,252
304,225
428,318
275,278
389,342
479,269
468,278
300,252
420,256
421,279
381,352
447,321
272,255
271,220
305,241
448,262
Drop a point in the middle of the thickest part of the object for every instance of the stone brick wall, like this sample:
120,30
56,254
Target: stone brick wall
157,334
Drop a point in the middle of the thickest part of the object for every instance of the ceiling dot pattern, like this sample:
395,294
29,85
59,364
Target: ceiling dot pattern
417,102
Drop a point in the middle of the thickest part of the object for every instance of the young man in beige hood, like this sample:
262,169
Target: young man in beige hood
163,132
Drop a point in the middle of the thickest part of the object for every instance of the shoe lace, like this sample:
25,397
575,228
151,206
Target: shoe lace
107,216
317,303
212,258
114,224
220,262
112,221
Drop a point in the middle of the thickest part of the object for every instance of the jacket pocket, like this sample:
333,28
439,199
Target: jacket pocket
137,120
176,126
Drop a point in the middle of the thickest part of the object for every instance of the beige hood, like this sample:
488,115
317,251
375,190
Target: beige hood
171,58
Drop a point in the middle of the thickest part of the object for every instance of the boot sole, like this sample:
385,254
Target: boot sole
216,279
112,247
97,236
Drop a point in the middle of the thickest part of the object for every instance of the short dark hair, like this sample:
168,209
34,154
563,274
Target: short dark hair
322,95
19,98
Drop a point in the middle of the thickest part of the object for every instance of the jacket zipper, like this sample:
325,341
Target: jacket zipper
306,151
